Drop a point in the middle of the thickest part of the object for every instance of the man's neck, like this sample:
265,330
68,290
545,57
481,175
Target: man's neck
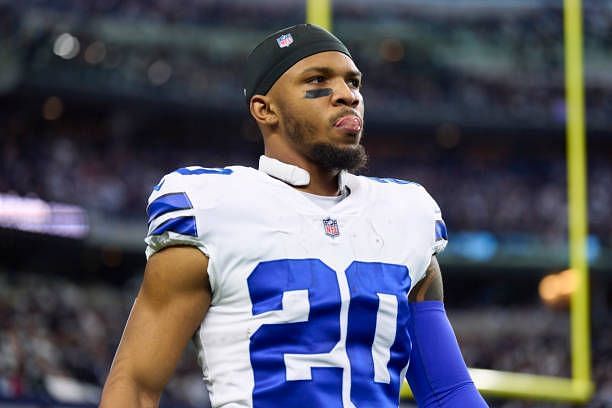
322,182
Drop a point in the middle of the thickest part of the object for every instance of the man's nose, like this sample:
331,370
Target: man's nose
345,95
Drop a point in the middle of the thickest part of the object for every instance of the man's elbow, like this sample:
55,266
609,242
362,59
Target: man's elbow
123,391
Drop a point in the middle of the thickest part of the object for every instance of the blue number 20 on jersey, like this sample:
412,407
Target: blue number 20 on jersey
294,358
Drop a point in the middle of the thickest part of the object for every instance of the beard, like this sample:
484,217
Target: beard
330,157
326,155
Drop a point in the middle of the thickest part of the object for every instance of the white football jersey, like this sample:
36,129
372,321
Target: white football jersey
309,305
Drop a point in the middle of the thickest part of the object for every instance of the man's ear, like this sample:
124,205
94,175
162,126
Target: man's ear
263,111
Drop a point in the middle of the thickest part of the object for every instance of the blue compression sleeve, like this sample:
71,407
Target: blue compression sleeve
437,373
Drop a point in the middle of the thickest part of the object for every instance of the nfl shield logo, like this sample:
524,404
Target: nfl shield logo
284,40
331,227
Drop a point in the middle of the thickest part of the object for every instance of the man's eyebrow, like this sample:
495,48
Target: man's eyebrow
329,71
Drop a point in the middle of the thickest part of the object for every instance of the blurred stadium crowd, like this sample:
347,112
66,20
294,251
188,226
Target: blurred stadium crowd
57,340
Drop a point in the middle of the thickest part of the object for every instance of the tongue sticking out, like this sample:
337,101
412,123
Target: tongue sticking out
350,123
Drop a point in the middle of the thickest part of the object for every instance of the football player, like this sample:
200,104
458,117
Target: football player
300,283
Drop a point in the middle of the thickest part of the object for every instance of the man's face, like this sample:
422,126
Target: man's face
321,110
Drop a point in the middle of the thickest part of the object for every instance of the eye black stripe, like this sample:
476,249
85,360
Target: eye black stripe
317,93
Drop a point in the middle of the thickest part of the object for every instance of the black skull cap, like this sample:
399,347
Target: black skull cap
281,50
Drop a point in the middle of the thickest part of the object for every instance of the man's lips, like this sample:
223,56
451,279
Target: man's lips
350,123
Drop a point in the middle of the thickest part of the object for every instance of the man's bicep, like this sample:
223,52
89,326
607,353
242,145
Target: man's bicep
172,301
430,287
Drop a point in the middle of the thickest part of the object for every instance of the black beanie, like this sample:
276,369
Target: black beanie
281,50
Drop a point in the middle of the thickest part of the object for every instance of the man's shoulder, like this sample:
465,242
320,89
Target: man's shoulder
389,185
197,187
198,177
183,203
400,191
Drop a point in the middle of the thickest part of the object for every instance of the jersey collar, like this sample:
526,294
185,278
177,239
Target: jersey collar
294,175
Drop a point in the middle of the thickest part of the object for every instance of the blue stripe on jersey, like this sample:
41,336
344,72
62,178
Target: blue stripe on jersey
158,186
441,232
202,170
181,225
167,203
385,180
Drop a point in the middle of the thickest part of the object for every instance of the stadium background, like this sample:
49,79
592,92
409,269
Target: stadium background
99,99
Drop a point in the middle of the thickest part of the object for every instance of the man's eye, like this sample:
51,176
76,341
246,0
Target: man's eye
355,83
316,80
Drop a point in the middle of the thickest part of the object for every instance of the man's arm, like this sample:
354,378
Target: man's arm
437,373
172,301
430,287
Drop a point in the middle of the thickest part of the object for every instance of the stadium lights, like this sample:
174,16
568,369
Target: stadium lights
52,108
95,53
555,289
159,72
66,46
36,215
391,50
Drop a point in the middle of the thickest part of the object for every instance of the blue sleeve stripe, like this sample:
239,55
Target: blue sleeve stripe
202,170
167,203
181,225
441,232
